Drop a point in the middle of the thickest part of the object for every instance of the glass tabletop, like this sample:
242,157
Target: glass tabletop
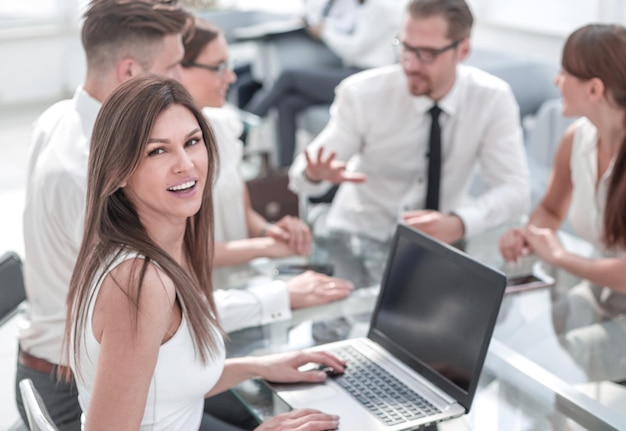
529,381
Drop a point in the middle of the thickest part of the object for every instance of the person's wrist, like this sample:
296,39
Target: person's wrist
265,228
249,367
310,178
558,258
461,225
257,368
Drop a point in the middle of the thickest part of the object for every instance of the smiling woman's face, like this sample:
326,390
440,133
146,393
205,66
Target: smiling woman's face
169,182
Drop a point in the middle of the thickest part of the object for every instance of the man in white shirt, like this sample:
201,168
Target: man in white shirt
121,39
377,141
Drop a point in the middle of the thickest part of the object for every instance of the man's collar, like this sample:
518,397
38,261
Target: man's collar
87,104
448,103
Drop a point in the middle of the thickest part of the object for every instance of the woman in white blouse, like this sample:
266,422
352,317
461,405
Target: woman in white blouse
241,234
143,337
588,185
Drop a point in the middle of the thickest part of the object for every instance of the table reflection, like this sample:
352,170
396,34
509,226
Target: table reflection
508,396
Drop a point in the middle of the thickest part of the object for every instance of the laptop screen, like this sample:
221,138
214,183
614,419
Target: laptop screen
436,311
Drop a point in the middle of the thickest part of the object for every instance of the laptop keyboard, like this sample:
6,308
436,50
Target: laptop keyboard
386,397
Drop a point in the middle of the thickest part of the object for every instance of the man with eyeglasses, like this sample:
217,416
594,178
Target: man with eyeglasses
405,140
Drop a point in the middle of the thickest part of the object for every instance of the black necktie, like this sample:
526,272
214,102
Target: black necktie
434,160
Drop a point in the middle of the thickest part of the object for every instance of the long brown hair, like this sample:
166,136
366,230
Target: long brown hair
599,51
112,226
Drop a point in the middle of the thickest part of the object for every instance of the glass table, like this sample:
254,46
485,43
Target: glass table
529,382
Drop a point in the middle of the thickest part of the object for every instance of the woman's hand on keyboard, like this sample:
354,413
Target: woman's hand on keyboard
301,420
285,367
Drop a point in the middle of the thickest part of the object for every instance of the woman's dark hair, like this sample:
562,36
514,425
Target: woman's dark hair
112,225
599,51
203,34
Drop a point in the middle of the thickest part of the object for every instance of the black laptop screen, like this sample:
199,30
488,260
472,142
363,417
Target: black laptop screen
436,311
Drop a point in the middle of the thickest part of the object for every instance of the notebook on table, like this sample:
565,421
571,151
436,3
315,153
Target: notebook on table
425,349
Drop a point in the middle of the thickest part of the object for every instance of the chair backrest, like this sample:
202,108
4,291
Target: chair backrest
532,82
547,130
36,412
12,291
542,141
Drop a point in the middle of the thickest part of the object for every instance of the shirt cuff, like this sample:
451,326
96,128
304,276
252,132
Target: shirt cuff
258,305
273,299
302,185
472,219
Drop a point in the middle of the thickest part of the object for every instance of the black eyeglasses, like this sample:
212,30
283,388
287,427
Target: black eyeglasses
219,68
425,55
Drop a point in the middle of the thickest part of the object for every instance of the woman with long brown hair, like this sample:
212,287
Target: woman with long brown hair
589,181
143,337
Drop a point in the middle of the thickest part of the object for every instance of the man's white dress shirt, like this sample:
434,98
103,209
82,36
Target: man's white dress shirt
54,216
381,130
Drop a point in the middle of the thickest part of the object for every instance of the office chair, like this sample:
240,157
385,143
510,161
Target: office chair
36,412
12,291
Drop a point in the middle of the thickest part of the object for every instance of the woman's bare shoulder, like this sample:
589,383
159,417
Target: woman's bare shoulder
141,282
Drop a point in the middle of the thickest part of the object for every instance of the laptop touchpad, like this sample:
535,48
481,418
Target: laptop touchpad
301,395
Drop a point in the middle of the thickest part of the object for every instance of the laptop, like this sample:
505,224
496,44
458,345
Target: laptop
426,344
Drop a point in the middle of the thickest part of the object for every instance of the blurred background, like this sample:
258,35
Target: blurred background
42,62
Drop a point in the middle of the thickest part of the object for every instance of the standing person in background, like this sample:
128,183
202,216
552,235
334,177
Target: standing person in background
142,336
404,140
362,41
588,182
340,14
121,39
241,234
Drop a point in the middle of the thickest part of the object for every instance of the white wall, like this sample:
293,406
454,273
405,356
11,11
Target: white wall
540,47
537,29
47,64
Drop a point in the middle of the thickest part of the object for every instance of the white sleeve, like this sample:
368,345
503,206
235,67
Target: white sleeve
252,306
504,169
375,25
343,135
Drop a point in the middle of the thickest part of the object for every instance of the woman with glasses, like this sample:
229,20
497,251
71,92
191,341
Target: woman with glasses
588,182
363,45
143,336
241,234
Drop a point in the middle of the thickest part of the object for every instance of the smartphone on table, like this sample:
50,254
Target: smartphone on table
295,269
529,281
